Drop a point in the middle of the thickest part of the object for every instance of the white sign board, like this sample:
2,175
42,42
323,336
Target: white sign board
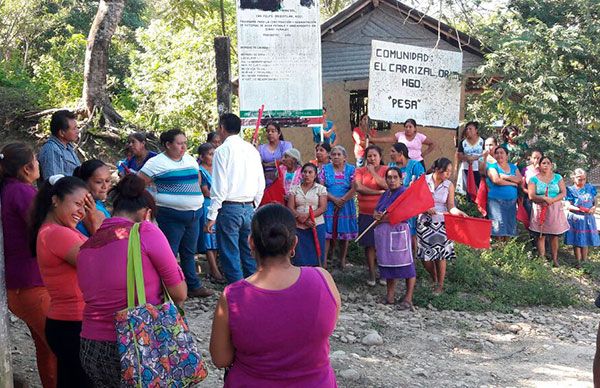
279,52
414,82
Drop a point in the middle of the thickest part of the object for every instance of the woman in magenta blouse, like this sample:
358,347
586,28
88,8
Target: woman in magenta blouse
274,326
28,298
102,275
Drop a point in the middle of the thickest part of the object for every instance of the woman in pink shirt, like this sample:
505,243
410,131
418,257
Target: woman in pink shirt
273,328
102,274
414,141
59,205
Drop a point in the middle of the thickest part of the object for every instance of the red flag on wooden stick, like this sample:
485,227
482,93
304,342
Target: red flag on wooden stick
415,200
260,113
481,199
471,185
474,232
522,215
311,214
275,193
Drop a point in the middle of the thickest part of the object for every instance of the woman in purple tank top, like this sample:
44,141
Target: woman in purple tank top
272,329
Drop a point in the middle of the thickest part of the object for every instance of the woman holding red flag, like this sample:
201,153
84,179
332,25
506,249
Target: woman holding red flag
547,190
309,194
433,246
470,151
393,244
503,179
370,183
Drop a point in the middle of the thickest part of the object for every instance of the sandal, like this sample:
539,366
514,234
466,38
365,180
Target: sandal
406,306
385,300
371,283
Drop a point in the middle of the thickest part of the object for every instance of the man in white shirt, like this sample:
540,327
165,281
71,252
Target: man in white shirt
237,188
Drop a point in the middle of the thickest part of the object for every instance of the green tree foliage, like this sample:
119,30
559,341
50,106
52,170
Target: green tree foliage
173,74
543,75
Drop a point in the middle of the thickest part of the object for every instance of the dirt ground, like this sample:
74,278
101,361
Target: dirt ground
375,345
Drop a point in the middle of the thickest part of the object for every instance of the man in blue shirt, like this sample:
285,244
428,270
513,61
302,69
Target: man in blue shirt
58,156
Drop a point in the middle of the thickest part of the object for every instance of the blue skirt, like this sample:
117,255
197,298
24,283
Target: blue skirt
206,241
583,231
306,251
368,240
503,213
347,225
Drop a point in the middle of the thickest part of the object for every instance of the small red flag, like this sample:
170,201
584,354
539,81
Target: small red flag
543,211
275,193
474,232
260,113
471,185
482,195
522,215
415,200
311,214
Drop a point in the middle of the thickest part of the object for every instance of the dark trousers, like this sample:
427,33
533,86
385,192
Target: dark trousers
63,339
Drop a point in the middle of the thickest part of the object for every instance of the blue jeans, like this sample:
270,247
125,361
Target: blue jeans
182,229
233,229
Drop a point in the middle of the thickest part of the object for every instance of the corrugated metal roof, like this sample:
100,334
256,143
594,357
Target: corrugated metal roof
346,52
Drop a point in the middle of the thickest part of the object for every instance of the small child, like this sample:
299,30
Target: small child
207,242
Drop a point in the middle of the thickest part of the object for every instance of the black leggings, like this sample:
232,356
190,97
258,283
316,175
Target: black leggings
63,339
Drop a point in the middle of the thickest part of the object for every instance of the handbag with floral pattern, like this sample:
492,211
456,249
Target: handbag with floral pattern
155,345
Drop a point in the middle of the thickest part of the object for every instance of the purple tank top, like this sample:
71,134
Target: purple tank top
281,338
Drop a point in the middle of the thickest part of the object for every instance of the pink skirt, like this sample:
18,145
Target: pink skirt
556,219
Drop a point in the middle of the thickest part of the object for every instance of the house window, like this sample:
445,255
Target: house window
359,101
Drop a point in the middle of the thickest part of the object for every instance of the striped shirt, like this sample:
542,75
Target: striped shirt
176,182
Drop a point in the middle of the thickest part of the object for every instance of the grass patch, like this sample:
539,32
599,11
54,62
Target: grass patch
502,278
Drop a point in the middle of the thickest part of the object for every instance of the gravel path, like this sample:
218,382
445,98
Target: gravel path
379,346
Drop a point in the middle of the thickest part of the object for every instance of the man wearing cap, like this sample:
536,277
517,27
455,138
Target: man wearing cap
237,188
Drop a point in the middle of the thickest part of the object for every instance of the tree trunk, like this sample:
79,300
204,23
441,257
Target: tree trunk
223,65
95,99
6,378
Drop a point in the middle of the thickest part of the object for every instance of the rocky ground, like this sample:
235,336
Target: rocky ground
376,345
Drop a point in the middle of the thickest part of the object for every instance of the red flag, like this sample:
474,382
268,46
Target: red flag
415,200
543,211
482,195
474,232
522,215
471,185
275,193
315,236
336,219
260,113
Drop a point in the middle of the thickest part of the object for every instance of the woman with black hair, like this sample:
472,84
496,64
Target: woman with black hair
393,243
179,199
322,152
27,296
433,246
309,194
413,139
272,151
279,304
102,275
58,207
96,174
470,151
369,182
136,144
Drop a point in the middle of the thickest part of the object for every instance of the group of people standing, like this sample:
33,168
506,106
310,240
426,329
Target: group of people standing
519,183
67,257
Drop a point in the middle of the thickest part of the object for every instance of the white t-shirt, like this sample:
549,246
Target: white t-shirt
176,182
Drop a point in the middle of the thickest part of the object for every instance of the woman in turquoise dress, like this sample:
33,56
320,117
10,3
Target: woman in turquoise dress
340,216
581,204
207,242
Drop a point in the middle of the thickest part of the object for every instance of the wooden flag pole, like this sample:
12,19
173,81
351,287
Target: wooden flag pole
370,227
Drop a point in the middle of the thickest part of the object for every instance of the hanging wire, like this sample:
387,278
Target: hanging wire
439,37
